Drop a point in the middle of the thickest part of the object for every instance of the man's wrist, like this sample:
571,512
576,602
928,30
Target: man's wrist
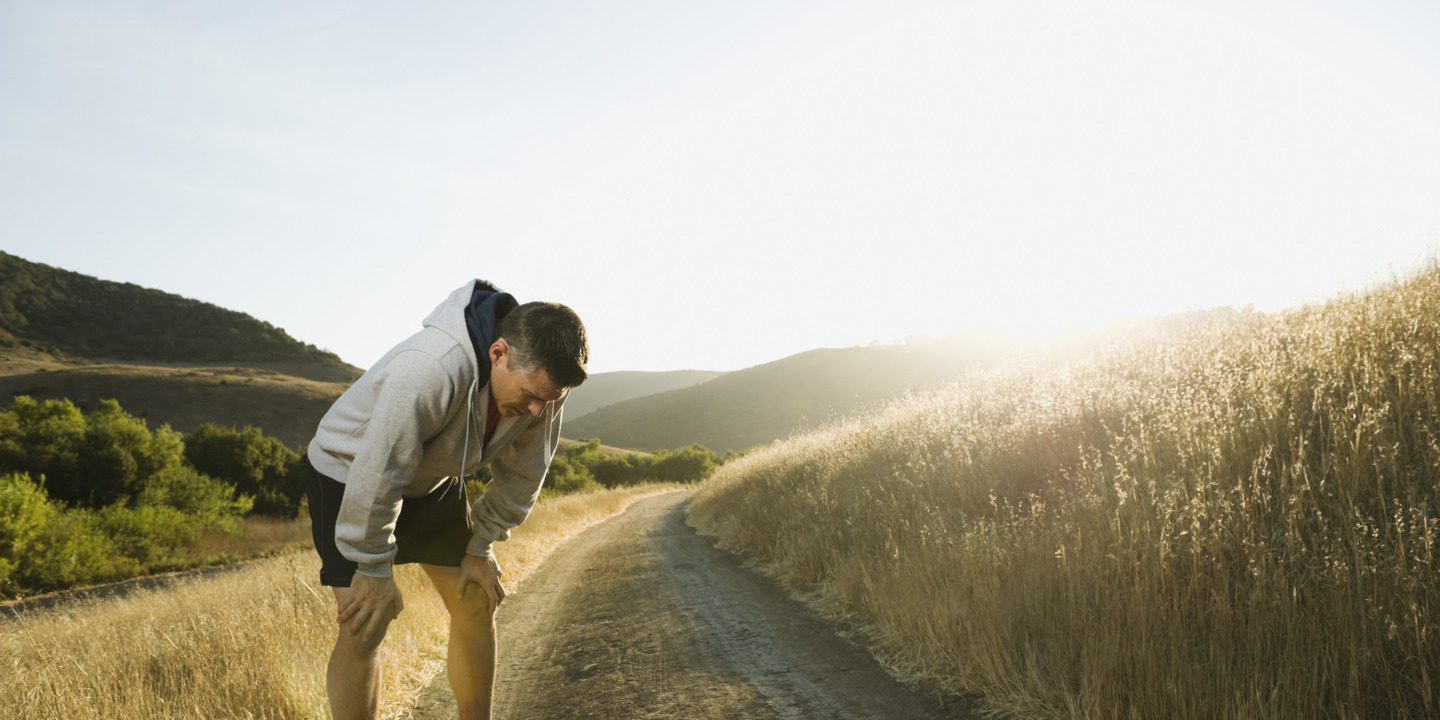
379,571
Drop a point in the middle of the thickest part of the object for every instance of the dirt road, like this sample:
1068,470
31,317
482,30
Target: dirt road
640,617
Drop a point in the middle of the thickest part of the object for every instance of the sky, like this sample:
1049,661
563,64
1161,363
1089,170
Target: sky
716,185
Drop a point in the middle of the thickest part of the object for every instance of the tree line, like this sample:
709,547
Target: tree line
97,497
65,312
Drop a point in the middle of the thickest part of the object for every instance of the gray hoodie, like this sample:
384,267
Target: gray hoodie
410,422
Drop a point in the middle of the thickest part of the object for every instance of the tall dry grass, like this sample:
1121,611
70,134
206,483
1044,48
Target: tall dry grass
248,644
1231,521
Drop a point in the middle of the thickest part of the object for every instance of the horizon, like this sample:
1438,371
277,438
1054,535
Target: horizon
714,188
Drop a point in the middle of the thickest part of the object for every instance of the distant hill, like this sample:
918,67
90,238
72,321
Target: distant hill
165,358
603,389
64,312
754,406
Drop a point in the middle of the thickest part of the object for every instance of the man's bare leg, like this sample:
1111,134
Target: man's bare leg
352,679
471,656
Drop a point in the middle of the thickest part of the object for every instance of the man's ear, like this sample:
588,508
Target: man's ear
498,350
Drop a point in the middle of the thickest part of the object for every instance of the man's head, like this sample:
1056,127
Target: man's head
540,351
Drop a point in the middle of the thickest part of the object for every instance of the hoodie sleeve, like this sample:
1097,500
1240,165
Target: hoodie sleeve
412,398
517,473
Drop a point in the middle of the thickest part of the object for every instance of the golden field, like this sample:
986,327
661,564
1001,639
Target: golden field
1228,519
247,644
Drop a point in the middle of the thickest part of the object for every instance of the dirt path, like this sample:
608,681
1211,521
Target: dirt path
640,617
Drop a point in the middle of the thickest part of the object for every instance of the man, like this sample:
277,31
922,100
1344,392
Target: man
481,384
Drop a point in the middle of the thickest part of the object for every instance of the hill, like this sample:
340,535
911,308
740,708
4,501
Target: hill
609,388
64,312
758,405
1232,521
754,406
165,358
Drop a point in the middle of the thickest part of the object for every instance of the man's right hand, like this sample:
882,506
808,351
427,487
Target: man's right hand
367,601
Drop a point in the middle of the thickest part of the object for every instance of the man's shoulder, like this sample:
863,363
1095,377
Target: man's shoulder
430,351
436,343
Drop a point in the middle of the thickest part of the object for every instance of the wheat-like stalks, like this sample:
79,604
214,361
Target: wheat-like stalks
246,644
1231,520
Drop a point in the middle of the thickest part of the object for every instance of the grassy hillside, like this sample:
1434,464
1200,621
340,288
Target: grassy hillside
757,405
64,312
609,388
753,406
284,405
1239,520
248,643
165,358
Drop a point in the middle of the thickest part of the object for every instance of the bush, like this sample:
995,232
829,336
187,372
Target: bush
689,465
119,454
568,475
93,461
211,502
151,536
256,464
66,552
44,440
24,511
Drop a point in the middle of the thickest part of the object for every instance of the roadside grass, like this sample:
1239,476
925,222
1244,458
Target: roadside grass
248,644
258,536
1234,521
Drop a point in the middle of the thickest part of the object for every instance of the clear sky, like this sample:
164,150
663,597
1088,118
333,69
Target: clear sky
715,185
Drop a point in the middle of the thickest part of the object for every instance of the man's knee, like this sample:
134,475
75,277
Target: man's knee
361,641
473,611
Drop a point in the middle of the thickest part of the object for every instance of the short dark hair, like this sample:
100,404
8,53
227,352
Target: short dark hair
550,336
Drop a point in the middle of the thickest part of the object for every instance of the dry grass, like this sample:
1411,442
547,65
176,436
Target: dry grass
247,644
1236,521
258,536
285,406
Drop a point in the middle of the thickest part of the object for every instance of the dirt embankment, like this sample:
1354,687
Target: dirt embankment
640,617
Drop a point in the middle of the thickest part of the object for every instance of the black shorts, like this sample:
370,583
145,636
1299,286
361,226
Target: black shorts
433,529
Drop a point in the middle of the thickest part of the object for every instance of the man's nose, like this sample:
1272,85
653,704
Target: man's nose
536,407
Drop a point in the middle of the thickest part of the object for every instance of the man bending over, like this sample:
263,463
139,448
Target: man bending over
481,384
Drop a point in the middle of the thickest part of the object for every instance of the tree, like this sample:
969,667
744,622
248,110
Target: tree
24,512
256,464
688,465
45,440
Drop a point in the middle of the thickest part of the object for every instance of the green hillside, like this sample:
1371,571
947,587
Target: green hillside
165,358
758,405
754,406
603,389
64,312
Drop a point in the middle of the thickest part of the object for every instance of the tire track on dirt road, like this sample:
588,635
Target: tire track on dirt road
640,617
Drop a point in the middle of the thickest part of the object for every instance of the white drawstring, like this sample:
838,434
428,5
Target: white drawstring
549,426
469,415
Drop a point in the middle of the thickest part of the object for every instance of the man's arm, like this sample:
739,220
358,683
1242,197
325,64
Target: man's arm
518,472
412,399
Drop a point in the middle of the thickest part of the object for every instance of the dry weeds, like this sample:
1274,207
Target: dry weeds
1237,521
247,644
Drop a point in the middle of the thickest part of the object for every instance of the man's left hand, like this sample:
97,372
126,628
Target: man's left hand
484,572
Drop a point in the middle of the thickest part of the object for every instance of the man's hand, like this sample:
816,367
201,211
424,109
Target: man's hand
367,601
485,573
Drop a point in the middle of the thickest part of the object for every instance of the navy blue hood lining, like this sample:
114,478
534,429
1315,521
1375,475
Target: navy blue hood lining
488,305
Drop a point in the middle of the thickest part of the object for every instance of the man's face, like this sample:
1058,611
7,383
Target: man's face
516,393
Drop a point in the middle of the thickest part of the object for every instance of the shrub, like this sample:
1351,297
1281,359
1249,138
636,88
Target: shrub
212,503
688,465
568,475
24,511
44,440
256,464
151,536
66,552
